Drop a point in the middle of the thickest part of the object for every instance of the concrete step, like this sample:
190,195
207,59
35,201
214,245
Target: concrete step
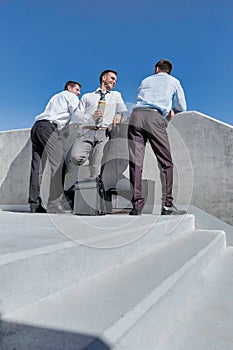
66,249
130,306
206,221
207,322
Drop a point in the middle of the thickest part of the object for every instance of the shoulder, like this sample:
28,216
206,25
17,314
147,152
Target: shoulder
64,95
150,77
116,95
57,95
88,95
68,98
91,93
147,79
174,80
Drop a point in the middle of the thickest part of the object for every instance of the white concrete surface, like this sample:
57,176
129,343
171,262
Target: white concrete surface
113,282
42,254
22,231
209,222
207,323
118,306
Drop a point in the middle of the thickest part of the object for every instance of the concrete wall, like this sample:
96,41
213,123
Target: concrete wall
202,151
210,146
15,153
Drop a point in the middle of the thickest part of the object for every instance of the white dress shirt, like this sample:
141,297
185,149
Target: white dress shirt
60,108
89,103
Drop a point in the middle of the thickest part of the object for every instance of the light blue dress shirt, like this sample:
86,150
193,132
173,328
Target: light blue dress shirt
163,92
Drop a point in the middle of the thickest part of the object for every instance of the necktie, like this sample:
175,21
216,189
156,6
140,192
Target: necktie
101,107
101,104
102,95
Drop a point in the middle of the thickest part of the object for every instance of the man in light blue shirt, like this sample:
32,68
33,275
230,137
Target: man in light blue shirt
159,97
161,91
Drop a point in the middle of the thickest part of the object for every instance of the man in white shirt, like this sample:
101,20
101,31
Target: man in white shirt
47,144
100,110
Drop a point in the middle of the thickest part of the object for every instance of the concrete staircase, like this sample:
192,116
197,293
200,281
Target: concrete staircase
112,282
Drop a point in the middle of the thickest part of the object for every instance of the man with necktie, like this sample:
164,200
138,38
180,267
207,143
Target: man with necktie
99,110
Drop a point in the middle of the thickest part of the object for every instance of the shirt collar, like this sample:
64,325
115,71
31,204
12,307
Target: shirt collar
97,91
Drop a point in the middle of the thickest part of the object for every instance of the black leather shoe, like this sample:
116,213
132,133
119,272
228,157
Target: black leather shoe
172,210
135,212
39,209
56,208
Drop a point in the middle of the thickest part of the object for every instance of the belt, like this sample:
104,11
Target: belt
47,121
94,127
148,108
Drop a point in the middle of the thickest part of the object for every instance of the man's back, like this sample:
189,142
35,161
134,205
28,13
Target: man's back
160,91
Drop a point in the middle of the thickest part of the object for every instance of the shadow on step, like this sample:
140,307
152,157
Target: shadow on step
15,336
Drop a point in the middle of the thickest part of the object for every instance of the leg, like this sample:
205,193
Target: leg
97,153
34,187
82,148
36,169
55,154
160,145
137,142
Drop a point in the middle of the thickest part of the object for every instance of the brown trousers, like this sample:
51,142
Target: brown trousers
148,125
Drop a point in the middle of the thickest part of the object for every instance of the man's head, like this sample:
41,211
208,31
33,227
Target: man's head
108,79
73,86
163,66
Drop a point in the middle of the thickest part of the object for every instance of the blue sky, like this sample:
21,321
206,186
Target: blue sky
45,43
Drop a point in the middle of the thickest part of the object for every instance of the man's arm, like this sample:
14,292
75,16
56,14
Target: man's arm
121,110
80,116
179,102
117,118
73,103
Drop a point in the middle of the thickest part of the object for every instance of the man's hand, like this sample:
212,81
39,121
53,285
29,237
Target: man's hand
116,119
98,114
170,114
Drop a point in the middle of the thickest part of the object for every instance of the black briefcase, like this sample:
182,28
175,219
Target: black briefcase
89,197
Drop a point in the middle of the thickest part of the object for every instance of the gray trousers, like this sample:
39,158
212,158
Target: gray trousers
148,125
90,146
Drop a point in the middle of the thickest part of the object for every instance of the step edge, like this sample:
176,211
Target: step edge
122,326
71,243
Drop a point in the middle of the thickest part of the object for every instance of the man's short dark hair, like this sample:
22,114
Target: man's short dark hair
106,72
164,66
72,84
